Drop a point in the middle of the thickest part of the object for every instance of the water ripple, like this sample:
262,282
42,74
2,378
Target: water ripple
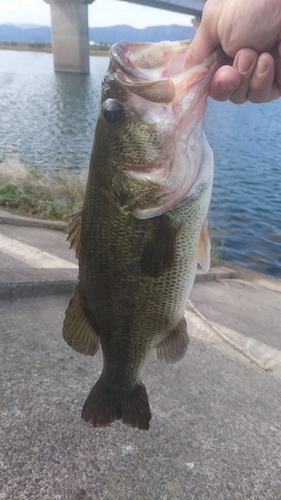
246,203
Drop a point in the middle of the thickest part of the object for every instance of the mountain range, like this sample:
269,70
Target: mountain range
27,33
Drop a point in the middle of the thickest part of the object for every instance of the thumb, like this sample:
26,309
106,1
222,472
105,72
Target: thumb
202,46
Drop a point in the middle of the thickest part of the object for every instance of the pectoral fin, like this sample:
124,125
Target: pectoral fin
174,346
74,233
78,331
204,248
159,252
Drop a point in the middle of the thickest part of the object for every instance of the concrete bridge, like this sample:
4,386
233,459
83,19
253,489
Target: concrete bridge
192,7
70,37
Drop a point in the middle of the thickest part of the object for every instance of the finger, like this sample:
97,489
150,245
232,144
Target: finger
262,87
274,91
245,63
277,59
201,47
225,82
206,39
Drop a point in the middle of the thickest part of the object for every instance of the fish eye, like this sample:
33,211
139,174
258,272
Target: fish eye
112,111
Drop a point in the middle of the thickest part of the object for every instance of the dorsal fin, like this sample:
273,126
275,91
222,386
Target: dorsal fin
78,331
204,248
74,233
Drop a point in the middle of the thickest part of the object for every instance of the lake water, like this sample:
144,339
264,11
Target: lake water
49,119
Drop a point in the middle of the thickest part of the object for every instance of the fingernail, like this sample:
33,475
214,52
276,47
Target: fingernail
261,66
244,63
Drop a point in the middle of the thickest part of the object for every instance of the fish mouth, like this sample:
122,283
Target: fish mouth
157,72
142,68
163,92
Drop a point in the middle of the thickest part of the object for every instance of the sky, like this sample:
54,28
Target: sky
101,13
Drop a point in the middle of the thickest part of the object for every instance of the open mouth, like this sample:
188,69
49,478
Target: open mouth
157,71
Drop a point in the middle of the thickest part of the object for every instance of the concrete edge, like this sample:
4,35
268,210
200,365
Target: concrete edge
215,273
225,270
31,289
247,274
18,220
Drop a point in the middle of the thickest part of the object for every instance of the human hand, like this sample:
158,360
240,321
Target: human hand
252,77
245,30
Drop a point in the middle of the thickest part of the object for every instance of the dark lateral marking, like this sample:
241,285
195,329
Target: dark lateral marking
158,254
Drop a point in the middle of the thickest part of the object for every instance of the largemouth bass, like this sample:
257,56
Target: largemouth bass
142,228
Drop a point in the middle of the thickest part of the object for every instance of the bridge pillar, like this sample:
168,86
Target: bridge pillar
70,35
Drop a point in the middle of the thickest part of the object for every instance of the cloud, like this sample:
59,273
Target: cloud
24,11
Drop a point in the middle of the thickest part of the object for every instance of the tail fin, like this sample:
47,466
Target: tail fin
102,407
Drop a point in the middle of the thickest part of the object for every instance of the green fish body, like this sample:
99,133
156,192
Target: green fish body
142,229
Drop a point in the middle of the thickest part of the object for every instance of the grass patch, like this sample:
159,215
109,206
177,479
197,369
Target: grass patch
214,254
25,190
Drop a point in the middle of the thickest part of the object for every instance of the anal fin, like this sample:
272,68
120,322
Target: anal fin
174,346
103,406
77,330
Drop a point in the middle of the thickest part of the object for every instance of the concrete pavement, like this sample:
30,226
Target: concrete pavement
216,428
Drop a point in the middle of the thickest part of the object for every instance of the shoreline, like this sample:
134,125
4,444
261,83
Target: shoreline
246,274
94,50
